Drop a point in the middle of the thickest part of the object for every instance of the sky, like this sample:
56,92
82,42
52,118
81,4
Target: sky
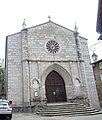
63,12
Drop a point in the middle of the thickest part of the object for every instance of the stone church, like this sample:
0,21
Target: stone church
49,63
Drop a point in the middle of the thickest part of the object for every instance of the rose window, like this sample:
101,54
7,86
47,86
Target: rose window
52,46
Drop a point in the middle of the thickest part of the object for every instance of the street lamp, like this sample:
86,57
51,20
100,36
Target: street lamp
94,55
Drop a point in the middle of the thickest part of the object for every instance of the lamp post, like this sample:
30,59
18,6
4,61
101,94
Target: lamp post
1,63
94,55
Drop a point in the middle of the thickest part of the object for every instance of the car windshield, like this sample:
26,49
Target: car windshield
3,104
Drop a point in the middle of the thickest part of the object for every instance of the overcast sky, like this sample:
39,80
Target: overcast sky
63,12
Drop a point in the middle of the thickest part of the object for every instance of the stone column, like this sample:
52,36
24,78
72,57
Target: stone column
25,67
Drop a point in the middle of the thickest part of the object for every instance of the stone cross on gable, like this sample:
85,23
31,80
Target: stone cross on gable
49,18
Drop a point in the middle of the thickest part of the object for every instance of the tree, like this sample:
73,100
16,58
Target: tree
2,90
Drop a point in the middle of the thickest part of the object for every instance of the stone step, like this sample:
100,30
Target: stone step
70,109
65,111
69,113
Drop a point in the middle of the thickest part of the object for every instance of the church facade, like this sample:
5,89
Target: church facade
51,63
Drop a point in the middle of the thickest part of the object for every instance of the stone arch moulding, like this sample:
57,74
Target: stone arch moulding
35,80
62,71
35,90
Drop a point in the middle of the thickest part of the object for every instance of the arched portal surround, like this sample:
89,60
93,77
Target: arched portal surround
64,74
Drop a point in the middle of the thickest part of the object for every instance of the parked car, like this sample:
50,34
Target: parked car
5,109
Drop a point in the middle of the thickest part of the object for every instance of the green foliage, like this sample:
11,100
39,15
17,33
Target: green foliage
1,81
1,74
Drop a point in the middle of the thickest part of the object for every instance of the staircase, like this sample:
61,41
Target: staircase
70,109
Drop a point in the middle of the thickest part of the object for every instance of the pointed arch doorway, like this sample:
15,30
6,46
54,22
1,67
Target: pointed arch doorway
55,88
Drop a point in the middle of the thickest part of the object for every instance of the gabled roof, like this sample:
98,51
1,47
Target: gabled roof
44,24
53,23
98,61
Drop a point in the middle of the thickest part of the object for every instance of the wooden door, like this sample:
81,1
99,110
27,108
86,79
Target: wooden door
55,88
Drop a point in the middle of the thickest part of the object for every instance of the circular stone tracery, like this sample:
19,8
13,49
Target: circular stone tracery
52,46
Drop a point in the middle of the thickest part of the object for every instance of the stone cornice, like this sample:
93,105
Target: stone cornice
29,60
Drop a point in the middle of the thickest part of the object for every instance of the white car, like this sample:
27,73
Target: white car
5,109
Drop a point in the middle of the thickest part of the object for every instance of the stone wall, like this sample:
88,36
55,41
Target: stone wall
14,69
97,71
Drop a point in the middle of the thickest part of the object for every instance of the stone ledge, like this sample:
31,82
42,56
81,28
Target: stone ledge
25,109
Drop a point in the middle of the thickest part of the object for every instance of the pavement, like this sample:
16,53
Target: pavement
30,116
